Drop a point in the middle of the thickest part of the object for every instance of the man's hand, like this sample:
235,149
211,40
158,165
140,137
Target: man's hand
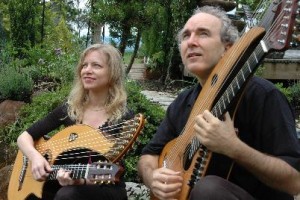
166,183
218,136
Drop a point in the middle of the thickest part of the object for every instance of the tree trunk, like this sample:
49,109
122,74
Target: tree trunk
97,33
43,23
123,40
136,48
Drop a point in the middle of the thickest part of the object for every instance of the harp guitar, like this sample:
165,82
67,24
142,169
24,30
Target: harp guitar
71,147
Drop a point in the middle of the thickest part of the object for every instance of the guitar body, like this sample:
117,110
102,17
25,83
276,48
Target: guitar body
78,142
180,161
28,186
73,137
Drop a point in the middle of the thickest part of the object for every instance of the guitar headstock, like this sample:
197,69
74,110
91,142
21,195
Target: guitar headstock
279,36
104,172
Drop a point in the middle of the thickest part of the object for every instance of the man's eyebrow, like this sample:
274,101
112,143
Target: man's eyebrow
184,31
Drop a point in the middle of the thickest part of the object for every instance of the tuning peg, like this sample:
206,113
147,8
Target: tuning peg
297,20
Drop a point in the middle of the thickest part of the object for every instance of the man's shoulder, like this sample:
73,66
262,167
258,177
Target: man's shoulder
261,84
190,91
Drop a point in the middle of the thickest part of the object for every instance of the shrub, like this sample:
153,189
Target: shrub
295,95
15,85
286,91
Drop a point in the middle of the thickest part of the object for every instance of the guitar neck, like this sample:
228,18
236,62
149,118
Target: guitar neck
238,80
78,171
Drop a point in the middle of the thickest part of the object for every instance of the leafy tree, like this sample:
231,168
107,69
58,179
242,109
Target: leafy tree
23,23
160,42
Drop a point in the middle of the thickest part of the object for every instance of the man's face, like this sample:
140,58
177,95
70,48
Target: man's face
201,46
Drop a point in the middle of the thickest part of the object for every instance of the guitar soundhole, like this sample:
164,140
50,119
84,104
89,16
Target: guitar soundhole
214,80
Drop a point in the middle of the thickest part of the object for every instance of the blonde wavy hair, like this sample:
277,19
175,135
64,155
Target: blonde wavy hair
117,97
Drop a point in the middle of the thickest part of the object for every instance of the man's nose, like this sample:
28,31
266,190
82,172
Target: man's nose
192,40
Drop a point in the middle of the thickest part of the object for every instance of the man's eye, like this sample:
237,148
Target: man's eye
185,36
203,34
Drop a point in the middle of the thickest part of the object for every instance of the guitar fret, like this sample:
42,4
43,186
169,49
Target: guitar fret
220,110
237,82
85,175
232,90
254,54
249,67
227,96
224,105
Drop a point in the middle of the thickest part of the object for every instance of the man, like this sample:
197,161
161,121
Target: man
266,152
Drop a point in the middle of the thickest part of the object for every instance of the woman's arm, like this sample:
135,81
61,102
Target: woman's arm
40,167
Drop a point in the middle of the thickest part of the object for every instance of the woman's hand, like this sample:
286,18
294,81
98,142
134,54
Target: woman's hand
64,177
40,167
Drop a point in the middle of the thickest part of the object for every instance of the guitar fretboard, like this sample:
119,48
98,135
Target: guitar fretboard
238,80
78,171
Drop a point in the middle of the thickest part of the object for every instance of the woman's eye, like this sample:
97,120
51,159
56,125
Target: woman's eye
96,66
83,65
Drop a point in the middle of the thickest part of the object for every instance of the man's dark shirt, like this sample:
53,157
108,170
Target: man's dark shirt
265,122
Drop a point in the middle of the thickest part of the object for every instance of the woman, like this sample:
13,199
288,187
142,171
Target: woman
97,99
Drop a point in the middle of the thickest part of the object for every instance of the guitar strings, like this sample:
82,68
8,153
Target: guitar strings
121,138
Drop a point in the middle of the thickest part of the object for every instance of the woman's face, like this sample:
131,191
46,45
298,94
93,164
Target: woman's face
95,71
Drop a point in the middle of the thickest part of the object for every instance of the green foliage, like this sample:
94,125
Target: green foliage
59,36
286,91
153,114
15,85
295,95
50,64
7,54
292,93
22,23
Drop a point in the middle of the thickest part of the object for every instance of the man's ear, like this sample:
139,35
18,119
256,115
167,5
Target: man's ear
227,46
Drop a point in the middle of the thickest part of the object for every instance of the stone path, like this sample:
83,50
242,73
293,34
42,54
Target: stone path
162,98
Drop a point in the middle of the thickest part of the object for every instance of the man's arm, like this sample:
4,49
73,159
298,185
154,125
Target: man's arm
270,170
146,165
220,137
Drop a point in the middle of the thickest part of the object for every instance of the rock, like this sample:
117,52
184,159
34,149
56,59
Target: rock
4,180
9,111
137,191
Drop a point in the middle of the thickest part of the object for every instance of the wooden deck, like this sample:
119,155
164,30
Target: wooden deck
137,71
